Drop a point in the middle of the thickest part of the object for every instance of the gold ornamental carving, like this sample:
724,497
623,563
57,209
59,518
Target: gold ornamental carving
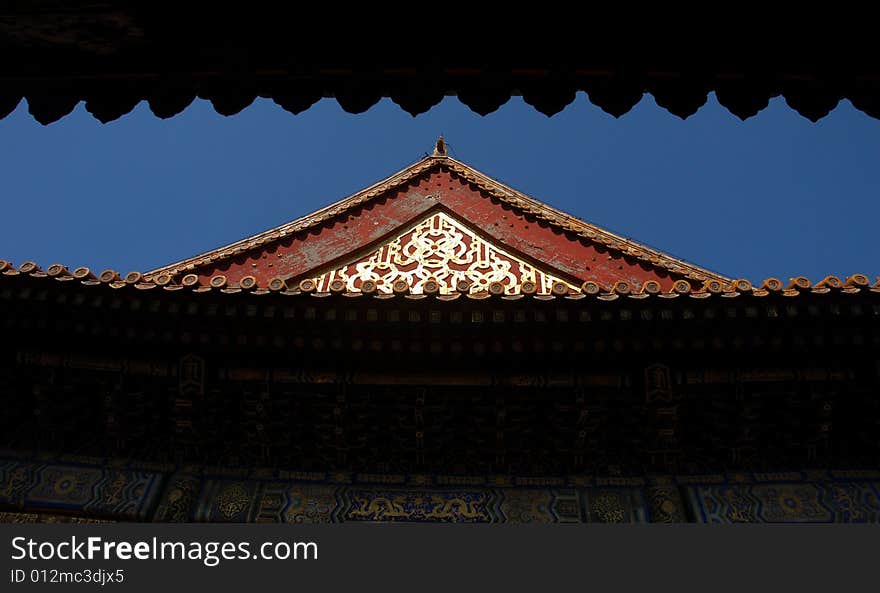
438,255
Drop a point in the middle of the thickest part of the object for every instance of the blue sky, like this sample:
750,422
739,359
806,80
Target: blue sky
775,195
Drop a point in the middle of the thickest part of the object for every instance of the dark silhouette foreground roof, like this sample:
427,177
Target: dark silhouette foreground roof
113,55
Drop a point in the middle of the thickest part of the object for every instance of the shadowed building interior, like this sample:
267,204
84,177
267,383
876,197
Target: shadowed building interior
437,347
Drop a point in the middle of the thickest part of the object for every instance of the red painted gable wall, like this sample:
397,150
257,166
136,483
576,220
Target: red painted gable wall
336,241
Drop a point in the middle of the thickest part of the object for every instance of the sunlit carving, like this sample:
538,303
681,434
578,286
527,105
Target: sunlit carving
441,249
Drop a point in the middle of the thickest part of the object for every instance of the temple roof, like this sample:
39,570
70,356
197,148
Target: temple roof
399,230
440,228
711,290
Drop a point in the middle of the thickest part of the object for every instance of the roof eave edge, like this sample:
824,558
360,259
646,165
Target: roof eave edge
304,222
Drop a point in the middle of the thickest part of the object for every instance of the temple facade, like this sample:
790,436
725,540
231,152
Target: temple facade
437,347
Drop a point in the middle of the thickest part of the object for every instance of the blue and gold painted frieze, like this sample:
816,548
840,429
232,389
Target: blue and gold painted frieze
98,491
43,488
303,502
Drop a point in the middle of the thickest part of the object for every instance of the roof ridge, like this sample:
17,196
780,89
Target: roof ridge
490,185
304,222
583,228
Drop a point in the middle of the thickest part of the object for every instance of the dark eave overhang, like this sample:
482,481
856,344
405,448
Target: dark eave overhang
112,55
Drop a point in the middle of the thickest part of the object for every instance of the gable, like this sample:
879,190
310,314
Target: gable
439,254
511,222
